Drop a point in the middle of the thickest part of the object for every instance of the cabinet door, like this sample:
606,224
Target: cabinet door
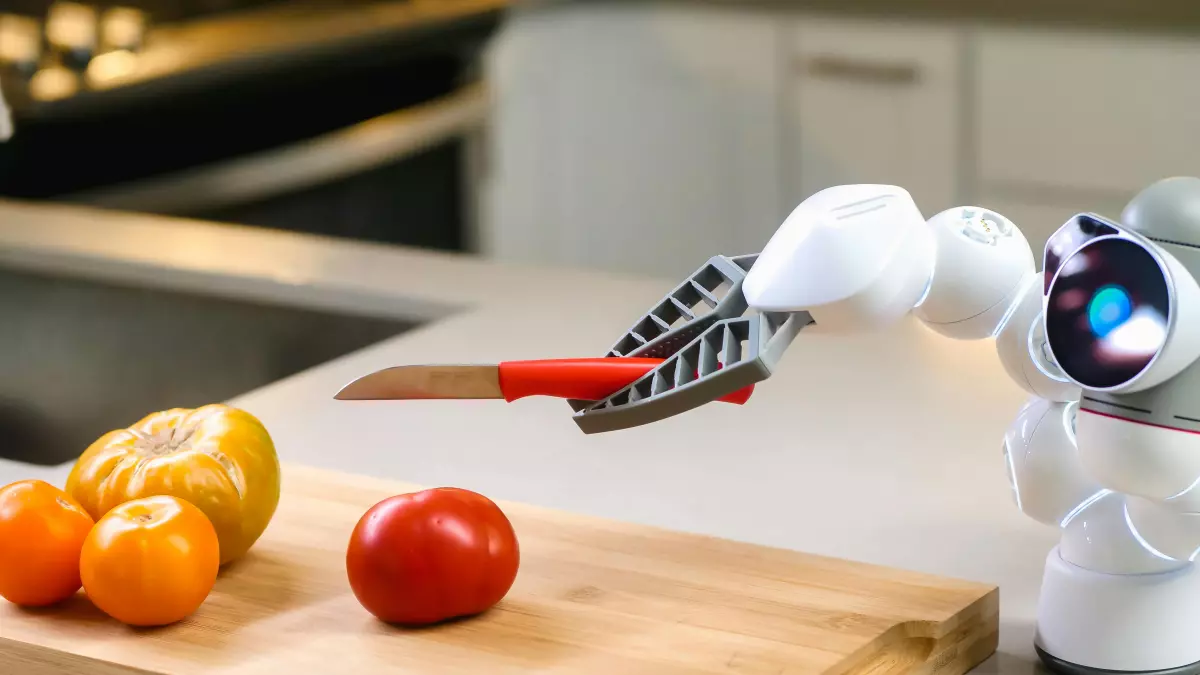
1086,112
1082,120
634,138
876,102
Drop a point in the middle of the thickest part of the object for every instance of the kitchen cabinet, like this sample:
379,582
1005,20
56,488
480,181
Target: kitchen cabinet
641,139
1086,111
875,102
1075,121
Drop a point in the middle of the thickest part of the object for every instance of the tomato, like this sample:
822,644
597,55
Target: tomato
150,562
41,533
434,555
218,458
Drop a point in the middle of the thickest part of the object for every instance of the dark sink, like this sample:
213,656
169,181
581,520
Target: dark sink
79,358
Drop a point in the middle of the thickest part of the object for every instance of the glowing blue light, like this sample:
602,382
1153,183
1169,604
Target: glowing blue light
1110,307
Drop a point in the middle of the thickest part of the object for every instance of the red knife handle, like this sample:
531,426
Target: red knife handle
582,379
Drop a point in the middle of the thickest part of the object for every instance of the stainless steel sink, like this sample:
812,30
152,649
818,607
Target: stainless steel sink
79,358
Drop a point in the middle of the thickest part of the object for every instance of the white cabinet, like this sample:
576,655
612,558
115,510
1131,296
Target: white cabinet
875,102
634,138
1072,121
1086,111
644,137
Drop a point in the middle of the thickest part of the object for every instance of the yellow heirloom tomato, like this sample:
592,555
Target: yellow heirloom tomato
218,458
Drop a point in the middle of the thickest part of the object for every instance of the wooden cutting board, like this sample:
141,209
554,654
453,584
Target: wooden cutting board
592,596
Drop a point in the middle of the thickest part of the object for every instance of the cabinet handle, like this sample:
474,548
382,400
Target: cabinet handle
878,72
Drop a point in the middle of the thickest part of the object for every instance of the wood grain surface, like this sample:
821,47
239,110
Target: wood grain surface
592,596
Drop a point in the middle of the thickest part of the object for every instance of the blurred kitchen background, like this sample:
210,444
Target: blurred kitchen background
631,136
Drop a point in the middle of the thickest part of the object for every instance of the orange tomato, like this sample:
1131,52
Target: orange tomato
218,458
150,562
41,533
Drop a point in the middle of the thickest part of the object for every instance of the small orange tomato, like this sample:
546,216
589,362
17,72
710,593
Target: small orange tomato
41,533
150,562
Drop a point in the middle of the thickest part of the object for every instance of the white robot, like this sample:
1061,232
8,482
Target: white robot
1106,339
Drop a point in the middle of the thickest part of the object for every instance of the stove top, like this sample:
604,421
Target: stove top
55,54
158,10
36,33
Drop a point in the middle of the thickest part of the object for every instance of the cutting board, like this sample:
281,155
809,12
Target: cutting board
592,596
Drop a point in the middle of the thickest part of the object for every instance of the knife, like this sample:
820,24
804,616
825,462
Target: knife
582,379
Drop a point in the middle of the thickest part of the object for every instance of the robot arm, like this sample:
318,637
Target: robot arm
862,257
848,258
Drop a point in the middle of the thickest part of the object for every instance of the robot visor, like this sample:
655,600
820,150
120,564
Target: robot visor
1111,314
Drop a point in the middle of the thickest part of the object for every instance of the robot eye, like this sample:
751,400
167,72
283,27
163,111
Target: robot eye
1109,309
1108,312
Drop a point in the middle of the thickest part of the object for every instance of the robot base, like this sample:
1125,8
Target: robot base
1059,666
1091,623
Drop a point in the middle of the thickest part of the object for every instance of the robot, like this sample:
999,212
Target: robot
1105,339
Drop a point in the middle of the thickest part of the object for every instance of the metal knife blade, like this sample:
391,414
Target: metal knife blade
425,382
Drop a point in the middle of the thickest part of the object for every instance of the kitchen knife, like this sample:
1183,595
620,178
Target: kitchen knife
582,379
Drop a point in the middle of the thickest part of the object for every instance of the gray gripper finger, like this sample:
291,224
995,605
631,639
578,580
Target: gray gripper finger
707,354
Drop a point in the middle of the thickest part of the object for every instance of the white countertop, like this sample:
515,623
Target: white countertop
882,448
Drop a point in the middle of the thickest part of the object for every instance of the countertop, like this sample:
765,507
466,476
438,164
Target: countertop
882,448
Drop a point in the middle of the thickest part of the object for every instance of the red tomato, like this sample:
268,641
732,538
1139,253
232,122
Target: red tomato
434,555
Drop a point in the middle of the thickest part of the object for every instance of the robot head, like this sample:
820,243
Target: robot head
1122,320
1122,305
